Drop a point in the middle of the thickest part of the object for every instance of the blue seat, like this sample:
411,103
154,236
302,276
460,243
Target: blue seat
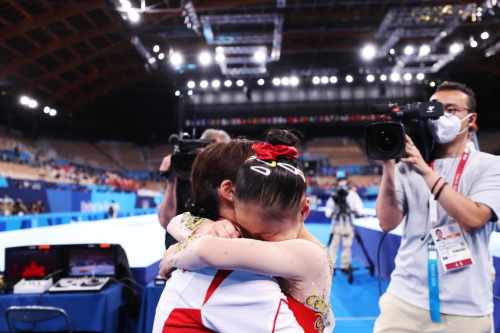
33,314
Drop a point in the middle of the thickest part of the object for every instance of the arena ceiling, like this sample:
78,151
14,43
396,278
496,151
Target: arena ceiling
77,55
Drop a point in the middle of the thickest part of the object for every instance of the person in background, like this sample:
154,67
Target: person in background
342,211
418,195
178,191
114,208
19,208
6,205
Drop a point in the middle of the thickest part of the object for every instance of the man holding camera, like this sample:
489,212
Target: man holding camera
341,209
178,191
458,193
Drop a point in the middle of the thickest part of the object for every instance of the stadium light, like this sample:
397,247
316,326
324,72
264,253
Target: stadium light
392,51
133,15
316,80
161,56
240,83
177,93
370,78
368,52
485,35
294,80
276,81
156,48
220,57
205,58
383,77
424,50
395,77
409,50
190,93
420,76
260,56
53,112
456,48
46,109
126,4
260,82
24,100
176,59
204,84
407,77
191,84
228,83
324,79
216,83
349,78
432,84
33,104
473,42
285,81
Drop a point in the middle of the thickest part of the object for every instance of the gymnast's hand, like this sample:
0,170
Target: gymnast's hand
165,268
222,229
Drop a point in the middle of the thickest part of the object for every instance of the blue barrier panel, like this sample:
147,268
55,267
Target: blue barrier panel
59,201
8,223
4,182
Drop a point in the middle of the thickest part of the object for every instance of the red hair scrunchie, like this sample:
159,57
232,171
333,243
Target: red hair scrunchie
267,151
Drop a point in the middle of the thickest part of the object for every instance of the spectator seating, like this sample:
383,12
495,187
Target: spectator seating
81,152
155,155
359,181
339,152
126,154
14,170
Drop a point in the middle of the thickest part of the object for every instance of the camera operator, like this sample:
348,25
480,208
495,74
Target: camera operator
178,191
341,209
423,296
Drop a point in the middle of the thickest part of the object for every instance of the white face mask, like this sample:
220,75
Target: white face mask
445,129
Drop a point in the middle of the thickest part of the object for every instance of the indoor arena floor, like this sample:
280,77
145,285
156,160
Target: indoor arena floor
355,305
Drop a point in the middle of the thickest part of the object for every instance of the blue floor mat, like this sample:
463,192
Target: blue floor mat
355,305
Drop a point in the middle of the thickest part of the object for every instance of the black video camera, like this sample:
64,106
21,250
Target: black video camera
185,151
339,196
386,140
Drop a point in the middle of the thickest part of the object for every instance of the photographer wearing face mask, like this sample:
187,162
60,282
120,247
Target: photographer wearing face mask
441,286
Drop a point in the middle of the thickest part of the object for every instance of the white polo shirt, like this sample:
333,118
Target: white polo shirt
466,291
353,200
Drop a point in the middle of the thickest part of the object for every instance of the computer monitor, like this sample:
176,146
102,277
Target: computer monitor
91,259
31,262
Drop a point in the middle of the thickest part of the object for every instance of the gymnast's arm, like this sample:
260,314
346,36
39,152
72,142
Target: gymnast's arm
289,259
184,225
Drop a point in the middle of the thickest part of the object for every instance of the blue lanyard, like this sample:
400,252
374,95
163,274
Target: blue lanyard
432,269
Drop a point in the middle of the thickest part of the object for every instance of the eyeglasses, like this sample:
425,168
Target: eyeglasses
450,110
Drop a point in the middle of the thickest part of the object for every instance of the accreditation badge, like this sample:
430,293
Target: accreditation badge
451,246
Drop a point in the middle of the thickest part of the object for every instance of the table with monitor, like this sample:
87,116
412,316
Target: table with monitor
83,288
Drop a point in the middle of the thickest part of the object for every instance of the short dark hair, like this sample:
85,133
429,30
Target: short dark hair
279,193
446,86
216,163
438,230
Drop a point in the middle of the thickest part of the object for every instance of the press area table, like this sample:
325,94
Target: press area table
88,312
371,234
150,298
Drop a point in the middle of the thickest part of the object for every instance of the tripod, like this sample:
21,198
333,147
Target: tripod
343,228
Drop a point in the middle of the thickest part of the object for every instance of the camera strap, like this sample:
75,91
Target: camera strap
432,251
456,180
432,270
